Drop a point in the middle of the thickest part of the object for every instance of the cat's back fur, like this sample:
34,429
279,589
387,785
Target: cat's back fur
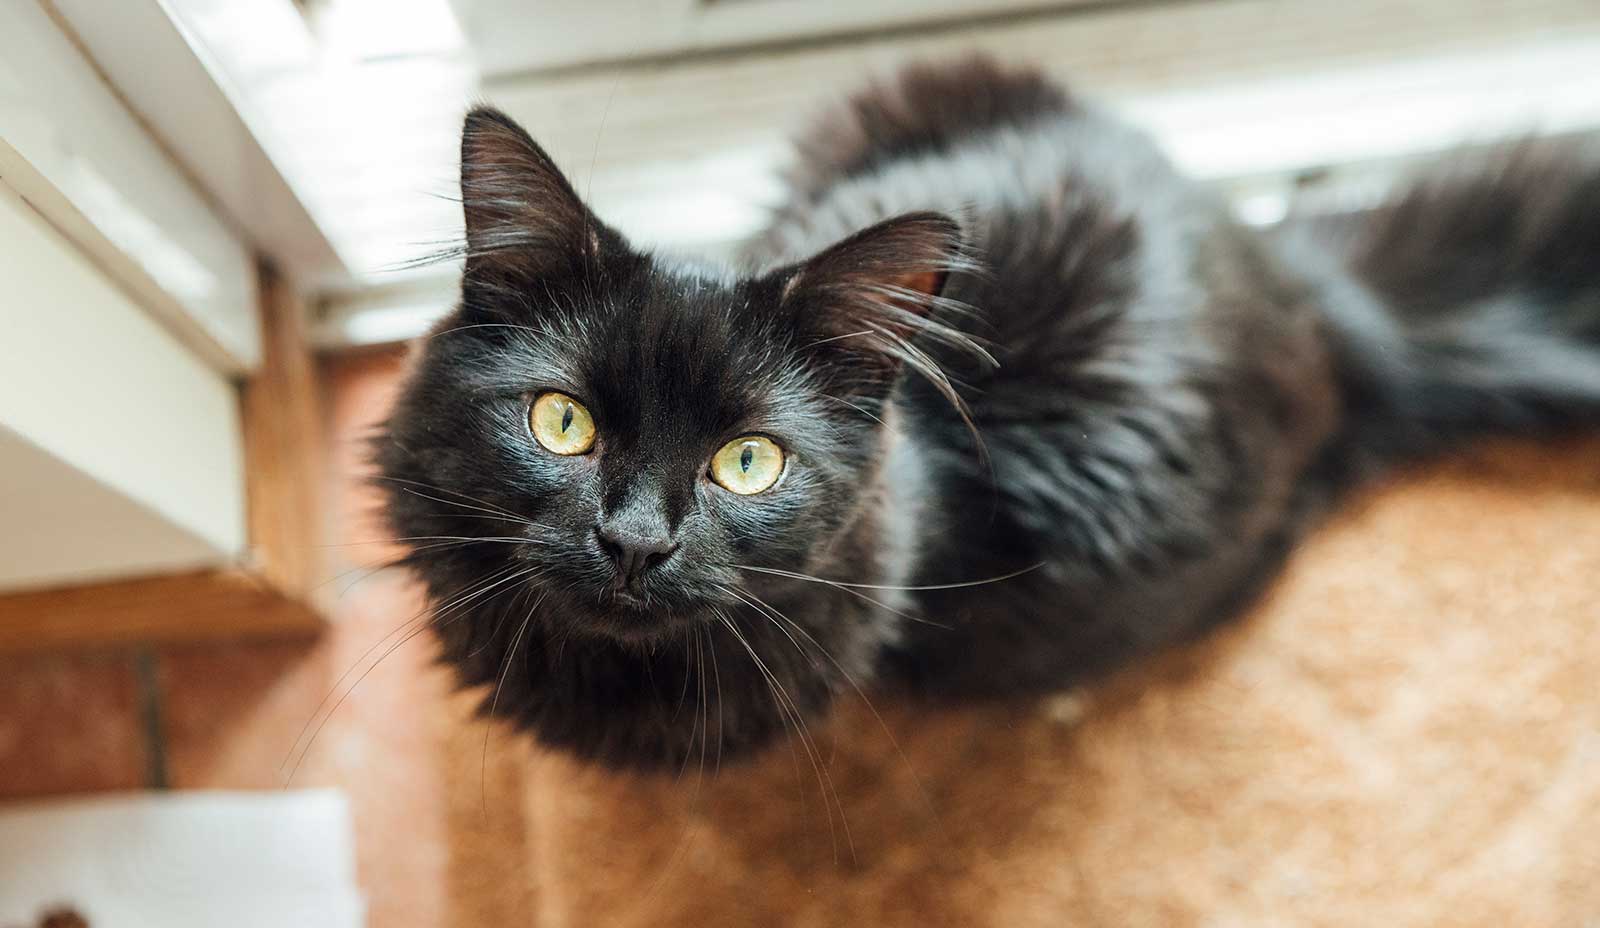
1161,382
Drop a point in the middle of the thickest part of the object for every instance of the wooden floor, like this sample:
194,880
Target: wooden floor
1406,732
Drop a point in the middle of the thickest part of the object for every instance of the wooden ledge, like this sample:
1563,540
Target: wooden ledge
208,605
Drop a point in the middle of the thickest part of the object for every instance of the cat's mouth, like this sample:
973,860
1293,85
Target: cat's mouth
635,617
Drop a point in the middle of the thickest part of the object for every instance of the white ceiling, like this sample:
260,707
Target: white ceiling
673,114
511,37
684,152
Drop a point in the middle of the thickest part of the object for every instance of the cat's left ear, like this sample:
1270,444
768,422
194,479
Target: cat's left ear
523,217
862,301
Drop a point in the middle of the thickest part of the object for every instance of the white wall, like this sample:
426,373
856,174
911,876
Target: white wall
93,168
120,450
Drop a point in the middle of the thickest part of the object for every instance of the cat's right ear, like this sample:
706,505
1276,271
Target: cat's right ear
864,304
524,219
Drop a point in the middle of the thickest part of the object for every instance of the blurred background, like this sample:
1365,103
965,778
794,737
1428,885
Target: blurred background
212,709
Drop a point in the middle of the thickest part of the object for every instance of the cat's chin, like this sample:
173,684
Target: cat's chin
634,622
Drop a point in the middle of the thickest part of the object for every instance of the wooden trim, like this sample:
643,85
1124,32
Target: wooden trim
200,606
271,592
284,454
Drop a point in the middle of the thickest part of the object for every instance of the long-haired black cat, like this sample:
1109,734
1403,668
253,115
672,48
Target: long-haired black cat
1001,402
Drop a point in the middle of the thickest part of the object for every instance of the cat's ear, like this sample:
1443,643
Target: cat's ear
861,302
523,217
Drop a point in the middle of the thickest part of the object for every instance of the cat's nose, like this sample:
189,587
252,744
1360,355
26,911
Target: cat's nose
634,553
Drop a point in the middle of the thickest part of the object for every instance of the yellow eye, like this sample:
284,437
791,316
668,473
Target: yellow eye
561,424
747,465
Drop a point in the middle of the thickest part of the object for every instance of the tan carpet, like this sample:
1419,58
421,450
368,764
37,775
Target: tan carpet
1406,732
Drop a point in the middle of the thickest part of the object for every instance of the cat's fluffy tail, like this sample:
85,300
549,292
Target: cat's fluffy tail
1476,307
921,108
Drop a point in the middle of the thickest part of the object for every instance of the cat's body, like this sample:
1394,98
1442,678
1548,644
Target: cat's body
1162,385
1169,398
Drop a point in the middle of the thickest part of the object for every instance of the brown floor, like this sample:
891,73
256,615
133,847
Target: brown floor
1406,732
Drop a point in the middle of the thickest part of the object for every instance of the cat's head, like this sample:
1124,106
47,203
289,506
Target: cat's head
622,436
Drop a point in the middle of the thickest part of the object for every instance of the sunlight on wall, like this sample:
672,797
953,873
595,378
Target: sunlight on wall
358,105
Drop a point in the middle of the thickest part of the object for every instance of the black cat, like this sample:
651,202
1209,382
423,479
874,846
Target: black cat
1005,402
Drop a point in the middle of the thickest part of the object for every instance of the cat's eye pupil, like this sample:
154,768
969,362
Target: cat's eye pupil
561,424
747,465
